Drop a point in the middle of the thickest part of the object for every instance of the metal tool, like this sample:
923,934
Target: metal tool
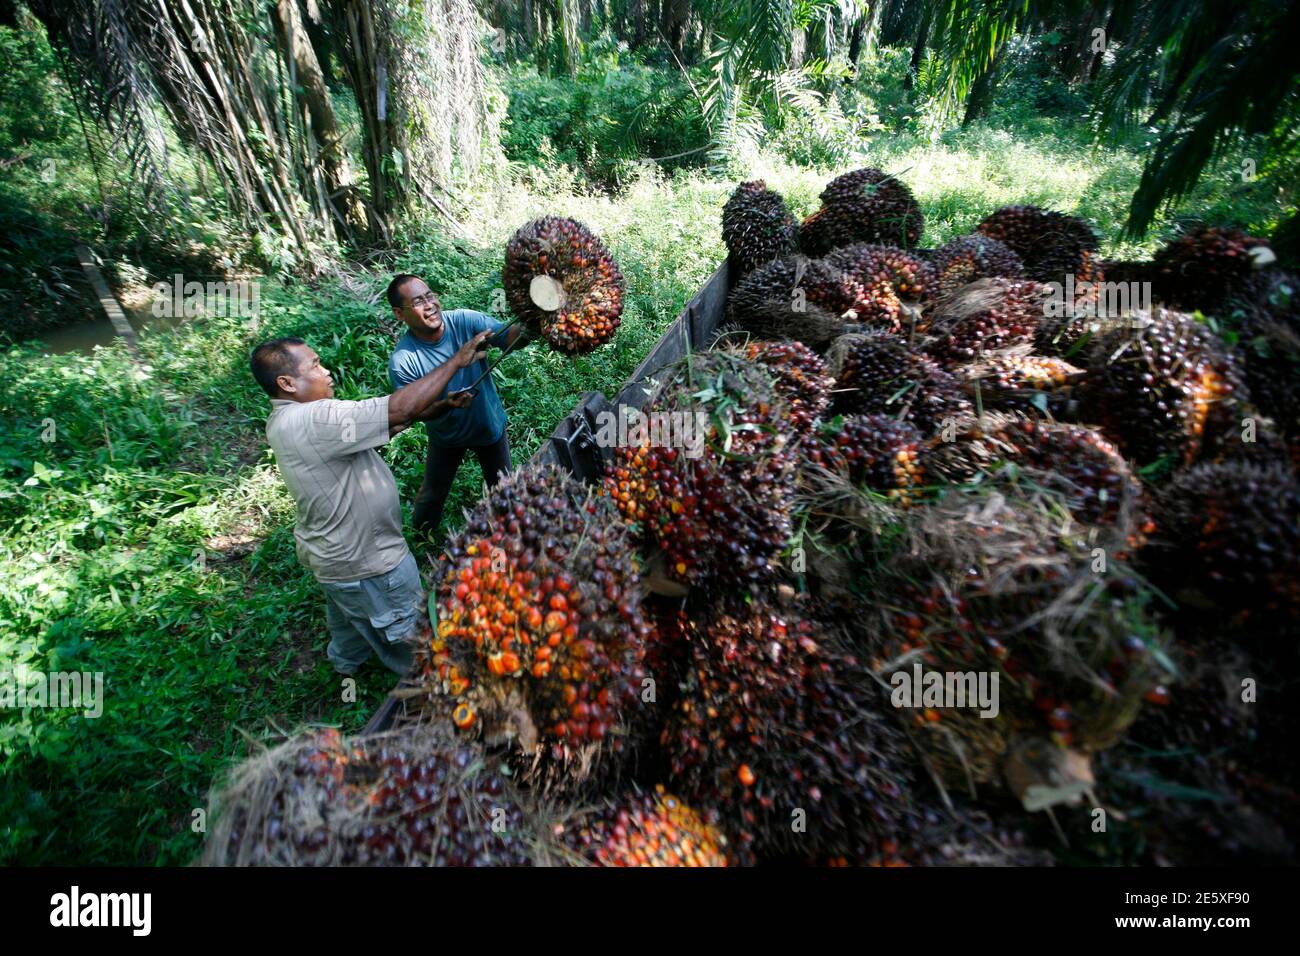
510,348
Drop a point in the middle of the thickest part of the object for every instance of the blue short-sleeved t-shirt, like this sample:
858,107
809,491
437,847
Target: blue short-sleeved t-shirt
484,421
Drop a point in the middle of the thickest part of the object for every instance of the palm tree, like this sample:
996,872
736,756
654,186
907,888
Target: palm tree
756,44
1210,74
1230,76
243,85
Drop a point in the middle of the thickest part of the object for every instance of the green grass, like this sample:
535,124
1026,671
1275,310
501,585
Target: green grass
151,538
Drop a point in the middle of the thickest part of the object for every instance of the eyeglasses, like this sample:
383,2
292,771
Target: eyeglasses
429,298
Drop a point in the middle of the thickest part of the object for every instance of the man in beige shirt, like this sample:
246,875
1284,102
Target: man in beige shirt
349,525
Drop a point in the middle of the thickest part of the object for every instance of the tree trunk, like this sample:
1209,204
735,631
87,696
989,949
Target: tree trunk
1094,67
674,15
566,31
368,73
981,91
637,17
1075,58
339,182
321,42
855,41
918,48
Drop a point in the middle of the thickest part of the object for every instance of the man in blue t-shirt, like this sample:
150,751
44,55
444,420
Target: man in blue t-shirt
433,337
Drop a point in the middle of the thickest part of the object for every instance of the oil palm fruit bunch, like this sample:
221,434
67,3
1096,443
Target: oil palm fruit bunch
1050,244
775,724
797,320
800,377
1232,532
1070,334
888,285
415,797
757,227
874,451
988,315
1201,269
865,205
876,373
1128,271
672,630
798,283
1022,382
1241,780
540,634
968,258
1095,481
1160,384
581,306
718,511
1088,472
644,829
1266,317
991,580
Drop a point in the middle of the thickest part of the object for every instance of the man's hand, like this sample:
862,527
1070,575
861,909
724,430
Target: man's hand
472,351
419,400
442,406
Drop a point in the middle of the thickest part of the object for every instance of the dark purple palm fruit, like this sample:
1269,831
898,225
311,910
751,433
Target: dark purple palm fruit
865,205
1051,244
757,226
876,373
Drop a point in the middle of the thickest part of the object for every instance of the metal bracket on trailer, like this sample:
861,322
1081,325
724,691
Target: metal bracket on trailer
577,445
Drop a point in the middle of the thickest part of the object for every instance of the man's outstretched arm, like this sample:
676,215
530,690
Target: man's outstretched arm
421,399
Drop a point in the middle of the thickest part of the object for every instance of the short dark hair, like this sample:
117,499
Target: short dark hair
395,289
272,359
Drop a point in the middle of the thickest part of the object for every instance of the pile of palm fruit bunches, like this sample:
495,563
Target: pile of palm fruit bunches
961,566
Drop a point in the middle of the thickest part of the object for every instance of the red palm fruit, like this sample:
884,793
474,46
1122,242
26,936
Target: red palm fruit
1232,531
719,511
414,797
873,451
557,683
1079,464
967,258
876,373
989,315
1022,382
800,377
989,579
1160,384
1201,269
589,282
799,287
887,284
763,685
644,829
